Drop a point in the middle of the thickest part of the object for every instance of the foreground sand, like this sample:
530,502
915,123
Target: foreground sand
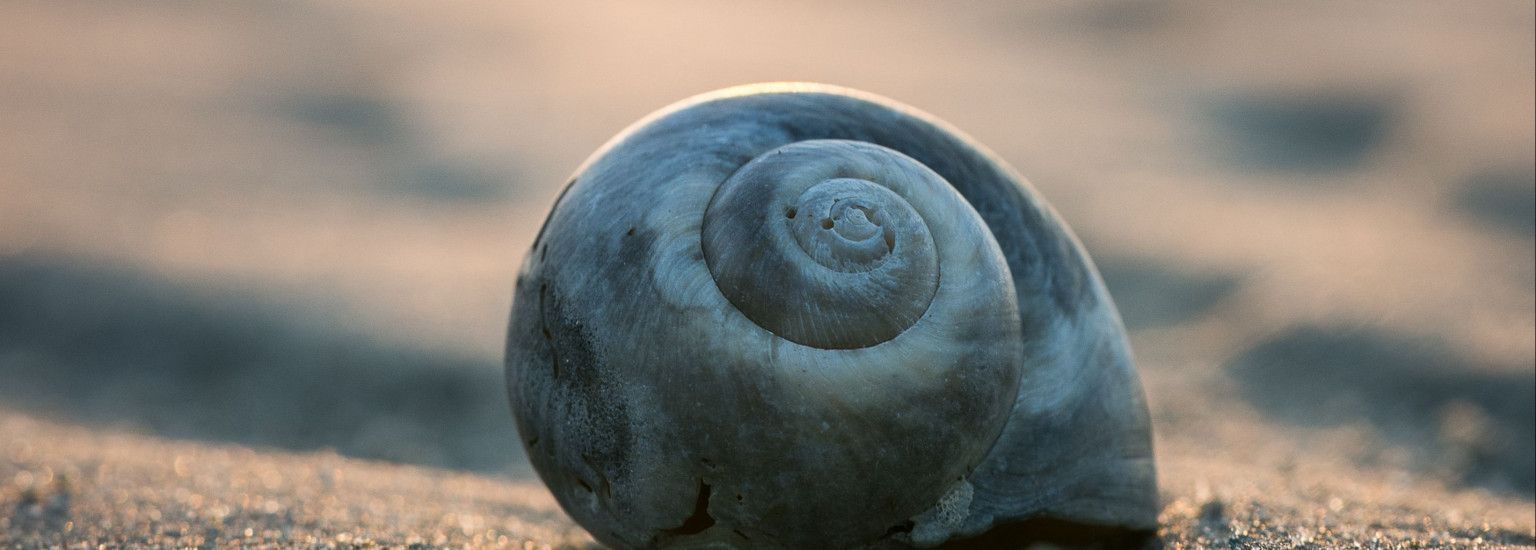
66,486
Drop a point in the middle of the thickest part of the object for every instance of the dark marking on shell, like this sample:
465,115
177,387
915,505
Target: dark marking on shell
538,238
635,250
601,439
699,521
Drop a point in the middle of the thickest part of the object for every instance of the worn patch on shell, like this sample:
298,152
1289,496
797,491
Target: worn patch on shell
940,522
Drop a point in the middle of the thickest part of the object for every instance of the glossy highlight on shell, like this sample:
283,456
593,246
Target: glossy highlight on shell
804,316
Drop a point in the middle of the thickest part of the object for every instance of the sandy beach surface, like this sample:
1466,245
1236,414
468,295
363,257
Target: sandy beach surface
256,259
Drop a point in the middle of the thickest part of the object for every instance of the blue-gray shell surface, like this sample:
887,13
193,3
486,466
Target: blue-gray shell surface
798,315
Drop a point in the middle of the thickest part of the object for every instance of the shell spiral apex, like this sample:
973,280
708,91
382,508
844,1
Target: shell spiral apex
826,223
804,316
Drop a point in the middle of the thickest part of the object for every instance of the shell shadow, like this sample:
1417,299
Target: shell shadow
111,347
1469,421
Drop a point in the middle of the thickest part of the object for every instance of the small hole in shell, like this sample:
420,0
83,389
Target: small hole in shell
790,213
826,224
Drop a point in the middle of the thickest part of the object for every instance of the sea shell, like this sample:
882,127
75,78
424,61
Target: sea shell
797,315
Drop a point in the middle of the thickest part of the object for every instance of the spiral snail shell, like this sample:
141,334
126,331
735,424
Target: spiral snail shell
797,315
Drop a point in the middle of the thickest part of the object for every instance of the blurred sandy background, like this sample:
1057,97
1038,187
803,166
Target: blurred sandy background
248,248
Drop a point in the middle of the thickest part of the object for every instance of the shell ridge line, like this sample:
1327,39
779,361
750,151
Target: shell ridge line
709,264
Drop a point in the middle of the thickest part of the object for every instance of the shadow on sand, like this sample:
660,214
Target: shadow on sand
1316,133
111,347
1470,421
1151,294
1503,199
